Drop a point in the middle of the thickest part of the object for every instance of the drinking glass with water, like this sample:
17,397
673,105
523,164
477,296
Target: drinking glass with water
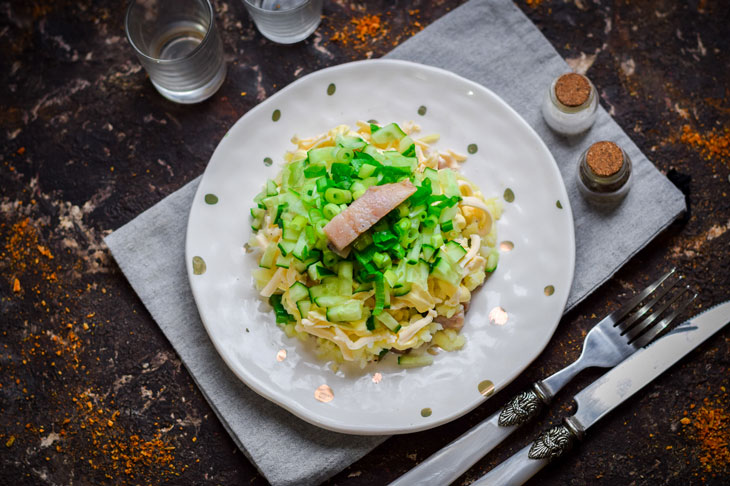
285,21
178,44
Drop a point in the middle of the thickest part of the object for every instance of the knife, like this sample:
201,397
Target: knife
606,393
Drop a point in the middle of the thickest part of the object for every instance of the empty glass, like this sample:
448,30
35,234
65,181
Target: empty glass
178,44
285,21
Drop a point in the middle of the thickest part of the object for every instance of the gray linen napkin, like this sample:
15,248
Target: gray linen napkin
490,42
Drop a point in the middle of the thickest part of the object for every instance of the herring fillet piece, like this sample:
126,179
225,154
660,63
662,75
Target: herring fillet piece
365,211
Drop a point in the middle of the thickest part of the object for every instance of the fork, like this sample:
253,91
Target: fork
608,343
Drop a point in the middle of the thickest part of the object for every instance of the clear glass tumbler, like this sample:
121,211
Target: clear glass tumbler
285,21
178,44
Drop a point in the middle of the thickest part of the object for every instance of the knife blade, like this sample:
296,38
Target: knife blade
606,393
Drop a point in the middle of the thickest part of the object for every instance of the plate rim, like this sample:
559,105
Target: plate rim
297,409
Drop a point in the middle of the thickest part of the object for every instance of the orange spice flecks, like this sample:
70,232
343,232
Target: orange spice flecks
110,448
368,32
709,425
712,144
88,425
367,27
361,31
45,252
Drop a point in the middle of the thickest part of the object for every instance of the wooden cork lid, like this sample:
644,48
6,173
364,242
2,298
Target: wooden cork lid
572,89
605,158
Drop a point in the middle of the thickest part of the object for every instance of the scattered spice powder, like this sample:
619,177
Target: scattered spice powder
361,32
112,449
712,144
88,428
367,27
368,32
709,425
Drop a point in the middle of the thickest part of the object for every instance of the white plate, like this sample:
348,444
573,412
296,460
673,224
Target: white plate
510,155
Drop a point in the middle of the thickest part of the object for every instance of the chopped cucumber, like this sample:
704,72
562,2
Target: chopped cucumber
388,321
329,300
351,310
298,291
447,270
317,271
321,156
304,306
407,146
344,273
283,261
401,289
427,252
433,176
301,249
289,232
447,178
387,134
354,143
271,189
267,259
366,170
492,261
454,250
286,247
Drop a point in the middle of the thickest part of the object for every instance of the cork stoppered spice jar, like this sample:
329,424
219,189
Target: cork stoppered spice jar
570,105
604,173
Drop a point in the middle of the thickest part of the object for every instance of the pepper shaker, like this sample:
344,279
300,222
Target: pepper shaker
604,174
570,104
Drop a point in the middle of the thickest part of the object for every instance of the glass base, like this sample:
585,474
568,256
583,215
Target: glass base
285,22
284,37
196,95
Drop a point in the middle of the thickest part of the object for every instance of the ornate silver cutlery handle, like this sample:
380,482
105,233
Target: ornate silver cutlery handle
456,458
549,445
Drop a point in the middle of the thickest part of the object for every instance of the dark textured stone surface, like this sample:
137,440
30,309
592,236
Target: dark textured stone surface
91,393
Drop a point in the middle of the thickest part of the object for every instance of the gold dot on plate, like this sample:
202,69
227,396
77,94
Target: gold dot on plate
509,195
199,266
498,316
281,355
549,290
486,388
506,246
426,412
377,378
324,394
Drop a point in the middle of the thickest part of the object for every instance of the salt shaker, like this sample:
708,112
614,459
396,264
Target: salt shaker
570,105
604,174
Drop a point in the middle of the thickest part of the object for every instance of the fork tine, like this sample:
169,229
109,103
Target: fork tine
649,336
626,325
621,312
638,329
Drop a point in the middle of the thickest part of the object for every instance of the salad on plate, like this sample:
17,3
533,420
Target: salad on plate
370,241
